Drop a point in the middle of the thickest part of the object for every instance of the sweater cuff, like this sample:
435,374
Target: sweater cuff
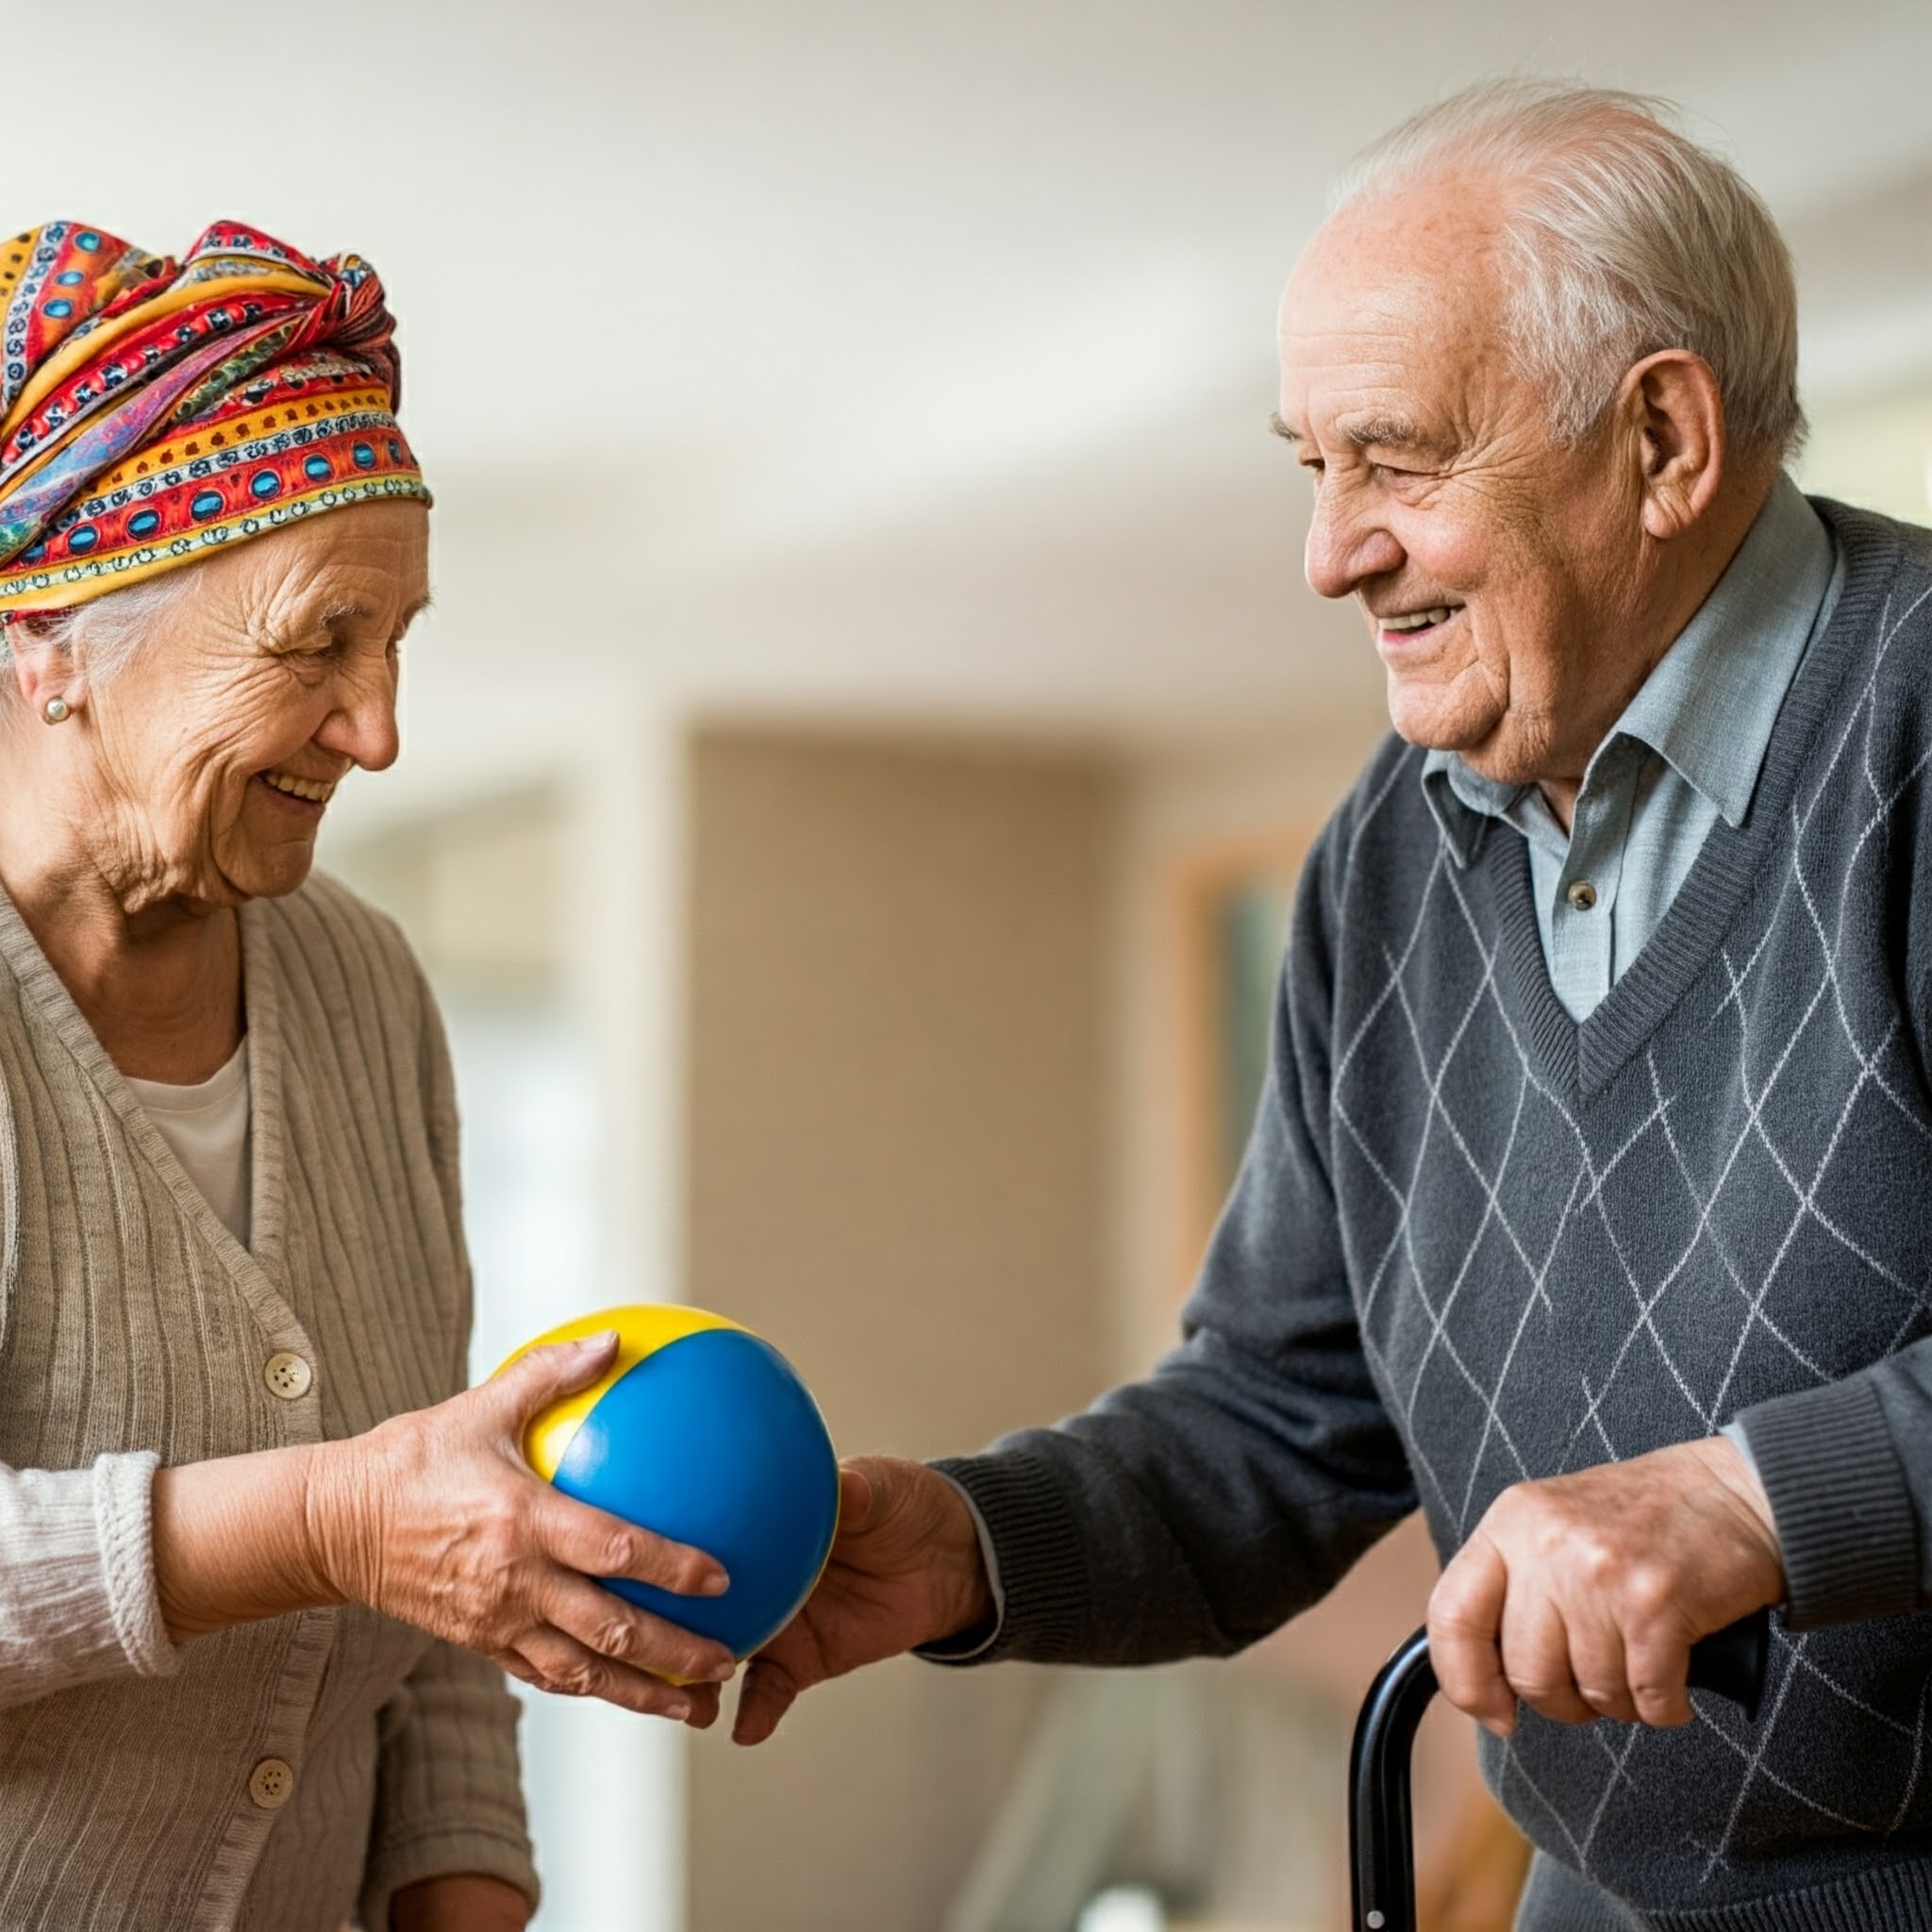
1839,1495
124,1511
78,1600
1037,1557
968,1646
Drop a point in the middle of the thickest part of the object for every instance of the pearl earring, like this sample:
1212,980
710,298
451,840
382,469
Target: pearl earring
57,709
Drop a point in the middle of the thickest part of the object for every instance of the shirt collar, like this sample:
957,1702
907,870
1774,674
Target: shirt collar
1710,706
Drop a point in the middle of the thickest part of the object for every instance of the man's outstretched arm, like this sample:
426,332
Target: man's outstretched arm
1188,1513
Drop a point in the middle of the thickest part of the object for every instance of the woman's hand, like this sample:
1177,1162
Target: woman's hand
904,1570
434,1518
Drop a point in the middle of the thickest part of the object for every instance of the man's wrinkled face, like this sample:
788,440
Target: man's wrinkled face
1496,568
213,753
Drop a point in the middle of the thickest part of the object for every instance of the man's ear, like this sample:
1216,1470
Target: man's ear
1672,400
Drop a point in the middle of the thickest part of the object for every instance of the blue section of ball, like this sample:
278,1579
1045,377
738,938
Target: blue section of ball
82,539
210,503
264,483
143,522
712,1441
318,468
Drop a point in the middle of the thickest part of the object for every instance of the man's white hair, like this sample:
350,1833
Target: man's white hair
1623,237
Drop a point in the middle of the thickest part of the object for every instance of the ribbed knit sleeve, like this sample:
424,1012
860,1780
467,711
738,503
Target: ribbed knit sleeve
1848,1469
77,1599
447,1795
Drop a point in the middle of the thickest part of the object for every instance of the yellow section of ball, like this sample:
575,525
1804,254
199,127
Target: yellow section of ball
643,1329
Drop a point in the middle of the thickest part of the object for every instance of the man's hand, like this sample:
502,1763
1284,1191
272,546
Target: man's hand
905,1570
1582,1595
466,1902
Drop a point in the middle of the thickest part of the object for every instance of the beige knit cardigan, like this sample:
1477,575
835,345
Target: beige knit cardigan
280,1774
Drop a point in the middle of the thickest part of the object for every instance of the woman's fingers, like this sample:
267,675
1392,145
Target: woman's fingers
543,1375
596,1543
605,1624
556,1662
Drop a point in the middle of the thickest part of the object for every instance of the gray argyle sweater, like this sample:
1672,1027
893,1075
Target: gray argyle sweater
1475,1241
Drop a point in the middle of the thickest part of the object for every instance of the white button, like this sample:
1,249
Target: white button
287,1375
270,1784
1582,895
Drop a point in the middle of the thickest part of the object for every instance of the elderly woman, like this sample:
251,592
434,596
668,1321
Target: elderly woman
251,1540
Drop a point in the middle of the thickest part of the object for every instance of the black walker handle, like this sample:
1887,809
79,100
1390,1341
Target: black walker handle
1732,1662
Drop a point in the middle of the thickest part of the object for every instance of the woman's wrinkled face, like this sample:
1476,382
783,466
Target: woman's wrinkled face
214,750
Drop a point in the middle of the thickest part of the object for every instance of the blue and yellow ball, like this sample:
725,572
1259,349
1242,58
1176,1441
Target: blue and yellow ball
701,1431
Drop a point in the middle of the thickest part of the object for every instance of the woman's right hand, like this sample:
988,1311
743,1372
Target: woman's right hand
434,1518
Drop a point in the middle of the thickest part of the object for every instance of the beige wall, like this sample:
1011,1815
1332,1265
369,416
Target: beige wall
896,1051
1876,452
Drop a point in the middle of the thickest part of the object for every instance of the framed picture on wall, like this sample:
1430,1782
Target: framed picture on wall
1231,903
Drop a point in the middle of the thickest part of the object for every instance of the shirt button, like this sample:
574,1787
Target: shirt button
270,1784
287,1375
1581,895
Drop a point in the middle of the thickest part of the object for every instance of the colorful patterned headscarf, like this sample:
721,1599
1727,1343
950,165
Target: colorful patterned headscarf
153,410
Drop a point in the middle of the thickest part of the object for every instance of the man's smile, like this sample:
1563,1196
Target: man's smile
1401,633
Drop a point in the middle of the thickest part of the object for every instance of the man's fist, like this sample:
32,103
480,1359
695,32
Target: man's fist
1582,1595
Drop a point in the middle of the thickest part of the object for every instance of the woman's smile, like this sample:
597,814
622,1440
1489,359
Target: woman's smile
305,796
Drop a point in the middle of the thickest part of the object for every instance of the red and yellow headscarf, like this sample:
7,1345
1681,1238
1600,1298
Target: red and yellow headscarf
154,410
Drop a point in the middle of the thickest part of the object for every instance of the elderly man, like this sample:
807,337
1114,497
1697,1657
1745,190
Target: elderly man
1586,1205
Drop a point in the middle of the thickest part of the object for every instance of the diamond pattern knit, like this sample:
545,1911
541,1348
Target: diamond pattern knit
1476,1241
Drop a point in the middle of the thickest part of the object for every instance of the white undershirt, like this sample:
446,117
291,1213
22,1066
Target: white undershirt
206,1125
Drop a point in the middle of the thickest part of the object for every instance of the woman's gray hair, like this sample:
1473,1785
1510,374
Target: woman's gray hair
1623,237
111,626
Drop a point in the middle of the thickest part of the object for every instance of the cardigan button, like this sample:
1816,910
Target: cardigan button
270,1784
1581,895
287,1375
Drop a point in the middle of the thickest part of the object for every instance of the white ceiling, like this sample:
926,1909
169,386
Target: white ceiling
872,356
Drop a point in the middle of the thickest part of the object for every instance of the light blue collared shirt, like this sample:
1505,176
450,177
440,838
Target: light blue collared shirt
1686,752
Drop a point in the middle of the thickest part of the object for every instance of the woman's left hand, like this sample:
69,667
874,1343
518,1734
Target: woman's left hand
465,1902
